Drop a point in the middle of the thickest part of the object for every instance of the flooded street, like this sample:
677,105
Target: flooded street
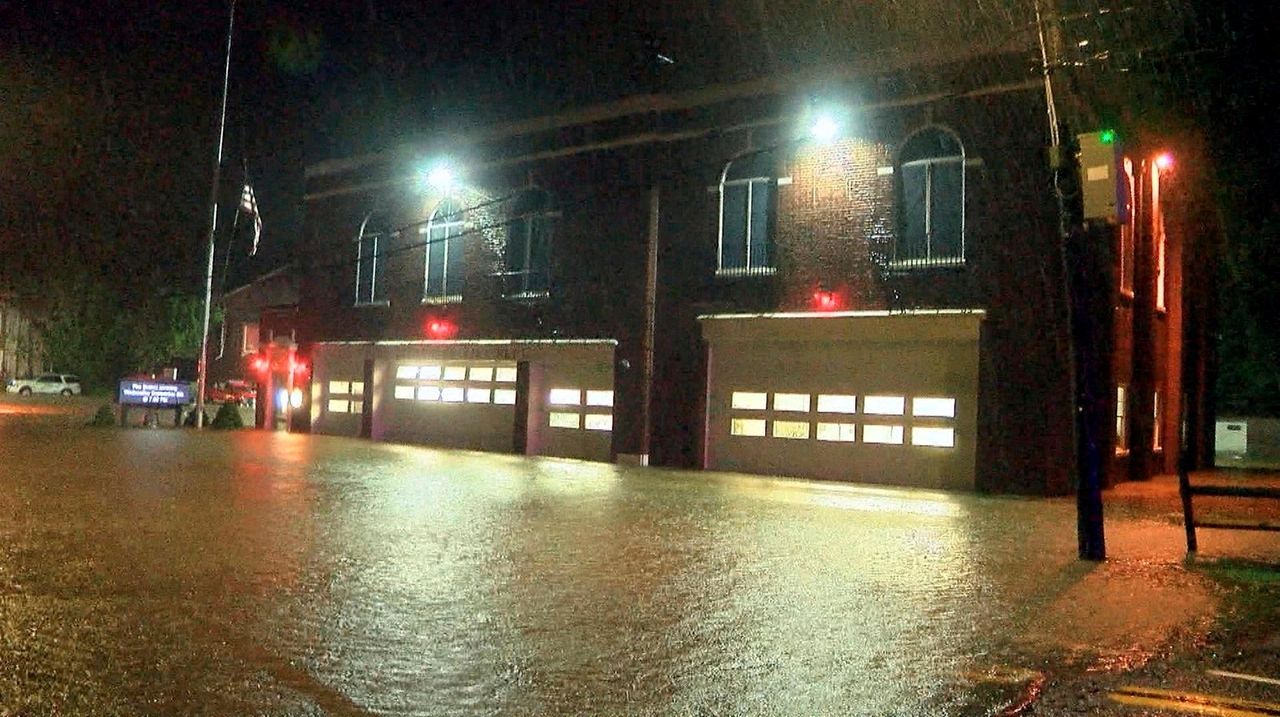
165,572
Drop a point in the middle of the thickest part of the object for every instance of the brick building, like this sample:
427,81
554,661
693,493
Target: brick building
254,315
757,277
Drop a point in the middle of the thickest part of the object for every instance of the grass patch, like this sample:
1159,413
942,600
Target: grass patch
1241,572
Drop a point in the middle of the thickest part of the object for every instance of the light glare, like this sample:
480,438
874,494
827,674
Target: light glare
825,128
440,177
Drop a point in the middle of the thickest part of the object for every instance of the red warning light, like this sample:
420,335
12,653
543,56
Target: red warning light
825,300
441,329
261,364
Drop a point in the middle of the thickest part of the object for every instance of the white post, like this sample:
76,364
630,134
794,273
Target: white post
203,364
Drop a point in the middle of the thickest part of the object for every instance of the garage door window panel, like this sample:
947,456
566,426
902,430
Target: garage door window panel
933,436
600,398
798,402
754,427
834,403
749,401
563,419
933,407
345,396
837,432
428,393
452,394
505,374
791,429
882,433
455,373
884,405
565,397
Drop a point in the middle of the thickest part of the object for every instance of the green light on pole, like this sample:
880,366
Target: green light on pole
1107,136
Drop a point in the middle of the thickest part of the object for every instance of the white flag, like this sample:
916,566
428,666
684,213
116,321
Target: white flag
249,205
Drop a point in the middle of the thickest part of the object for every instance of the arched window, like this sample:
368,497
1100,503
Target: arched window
370,244
445,270
747,188
931,199
527,255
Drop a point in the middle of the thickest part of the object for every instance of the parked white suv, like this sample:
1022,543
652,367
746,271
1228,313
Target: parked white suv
62,383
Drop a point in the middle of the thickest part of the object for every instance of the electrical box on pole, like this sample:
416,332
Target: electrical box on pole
1102,178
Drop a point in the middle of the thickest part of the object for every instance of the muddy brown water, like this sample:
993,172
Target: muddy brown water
165,572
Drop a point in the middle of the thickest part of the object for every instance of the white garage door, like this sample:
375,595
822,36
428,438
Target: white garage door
467,394
866,397
452,403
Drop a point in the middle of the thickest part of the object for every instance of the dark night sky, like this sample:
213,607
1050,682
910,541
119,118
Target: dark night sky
107,109
118,99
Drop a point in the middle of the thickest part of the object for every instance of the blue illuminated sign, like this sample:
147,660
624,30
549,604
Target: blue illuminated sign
138,392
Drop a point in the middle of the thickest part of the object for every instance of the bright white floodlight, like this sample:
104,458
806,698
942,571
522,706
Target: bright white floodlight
825,129
440,177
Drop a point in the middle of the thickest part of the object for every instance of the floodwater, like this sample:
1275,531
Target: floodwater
165,572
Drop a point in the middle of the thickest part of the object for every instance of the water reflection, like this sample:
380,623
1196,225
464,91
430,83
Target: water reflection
266,573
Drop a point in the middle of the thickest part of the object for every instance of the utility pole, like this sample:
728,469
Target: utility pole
203,365
650,318
1091,539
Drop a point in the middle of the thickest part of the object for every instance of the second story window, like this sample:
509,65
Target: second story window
370,247
1125,251
248,338
445,237
1158,236
931,200
526,257
747,189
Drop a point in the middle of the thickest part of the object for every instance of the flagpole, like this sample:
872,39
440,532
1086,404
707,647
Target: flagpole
203,363
226,255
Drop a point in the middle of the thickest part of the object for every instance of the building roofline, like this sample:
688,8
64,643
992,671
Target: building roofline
668,102
270,274
472,342
672,136
979,313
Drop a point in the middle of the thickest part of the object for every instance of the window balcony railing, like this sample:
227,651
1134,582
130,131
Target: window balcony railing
742,271
926,262
437,299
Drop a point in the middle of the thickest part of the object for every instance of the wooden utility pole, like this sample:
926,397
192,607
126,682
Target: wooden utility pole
1091,539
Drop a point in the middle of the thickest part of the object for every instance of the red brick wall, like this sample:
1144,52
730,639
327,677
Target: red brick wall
834,227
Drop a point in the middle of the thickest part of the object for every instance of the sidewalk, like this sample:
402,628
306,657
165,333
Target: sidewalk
1153,630
1160,497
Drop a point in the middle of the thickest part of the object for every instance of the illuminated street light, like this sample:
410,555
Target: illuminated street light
825,128
1164,160
440,177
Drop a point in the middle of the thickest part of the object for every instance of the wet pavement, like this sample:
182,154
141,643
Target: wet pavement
168,572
